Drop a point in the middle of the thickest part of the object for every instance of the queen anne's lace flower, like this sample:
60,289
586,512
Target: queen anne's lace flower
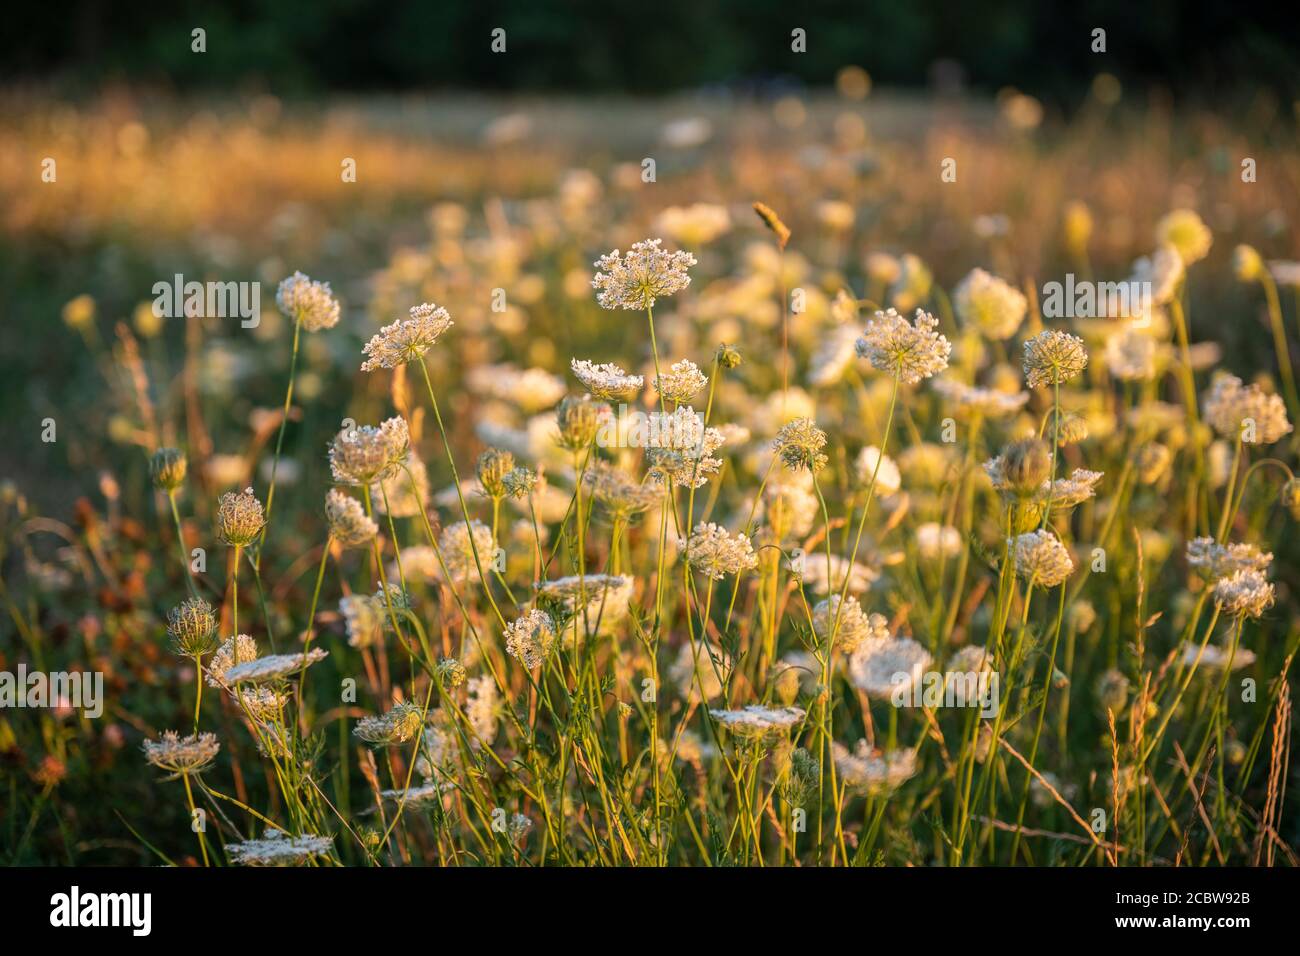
1214,561
182,755
308,301
756,722
882,667
278,849
365,454
531,638
239,518
273,667
856,627
190,625
347,520
1042,559
682,382
993,306
458,552
970,400
799,444
407,339
239,649
1245,592
679,448
1247,412
607,604
607,381
699,670
645,274
911,351
870,771
716,553
1053,357
397,726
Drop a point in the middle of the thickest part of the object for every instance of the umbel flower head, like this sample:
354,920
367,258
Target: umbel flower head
309,302
1042,559
679,448
191,625
912,351
399,725
871,771
715,552
618,492
366,454
347,519
278,849
855,628
458,549
756,721
1248,412
531,638
167,468
406,339
239,649
607,381
363,619
519,482
492,467
682,382
182,755
579,419
273,667
1053,357
1213,561
645,274
800,444
1246,592
989,304
239,518
881,667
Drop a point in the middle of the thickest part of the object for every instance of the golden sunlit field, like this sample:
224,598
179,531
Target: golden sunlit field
531,481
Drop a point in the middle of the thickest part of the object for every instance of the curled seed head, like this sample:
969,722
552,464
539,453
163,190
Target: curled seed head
167,468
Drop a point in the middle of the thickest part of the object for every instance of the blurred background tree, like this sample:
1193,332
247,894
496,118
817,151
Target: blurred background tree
1202,49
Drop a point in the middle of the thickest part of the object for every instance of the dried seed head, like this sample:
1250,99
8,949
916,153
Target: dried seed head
1290,497
451,672
729,356
580,418
1026,465
493,466
167,468
192,627
239,518
519,482
799,444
